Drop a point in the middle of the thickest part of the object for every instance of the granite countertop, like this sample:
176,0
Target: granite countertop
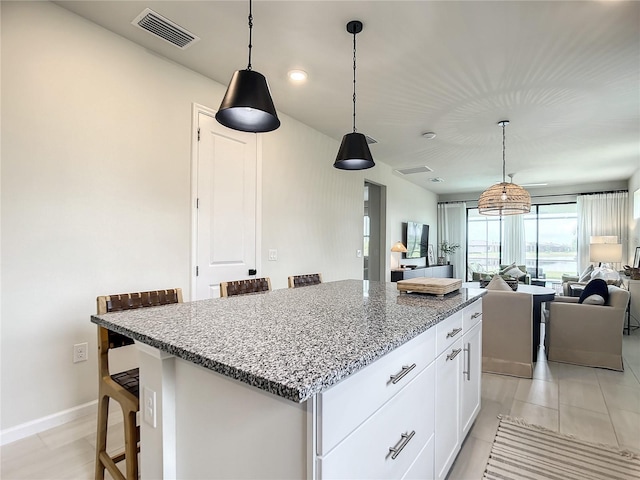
294,343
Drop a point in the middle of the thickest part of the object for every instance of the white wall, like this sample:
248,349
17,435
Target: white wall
96,196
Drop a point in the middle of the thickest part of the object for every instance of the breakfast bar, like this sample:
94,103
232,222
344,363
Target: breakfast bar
335,380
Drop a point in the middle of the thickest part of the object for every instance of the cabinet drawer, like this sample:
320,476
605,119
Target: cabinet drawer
423,467
448,331
405,423
349,403
471,315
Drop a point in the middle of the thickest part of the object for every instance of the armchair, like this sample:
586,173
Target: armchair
589,335
507,333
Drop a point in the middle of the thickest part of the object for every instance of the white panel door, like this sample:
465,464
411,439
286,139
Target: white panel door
226,206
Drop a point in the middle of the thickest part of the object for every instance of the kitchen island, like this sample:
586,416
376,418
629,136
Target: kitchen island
284,384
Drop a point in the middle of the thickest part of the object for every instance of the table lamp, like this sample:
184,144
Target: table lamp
398,247
605,253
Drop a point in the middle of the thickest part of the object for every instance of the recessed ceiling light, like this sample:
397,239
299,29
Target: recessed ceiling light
429,135
297,76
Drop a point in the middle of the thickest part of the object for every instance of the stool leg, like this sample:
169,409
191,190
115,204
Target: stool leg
101,441
131,445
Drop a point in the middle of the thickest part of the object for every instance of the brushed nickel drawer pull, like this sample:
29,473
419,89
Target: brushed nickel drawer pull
401,444
454,332
476,315
467,350
399,376
453,354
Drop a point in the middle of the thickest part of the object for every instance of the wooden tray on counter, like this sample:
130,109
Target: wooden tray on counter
434,286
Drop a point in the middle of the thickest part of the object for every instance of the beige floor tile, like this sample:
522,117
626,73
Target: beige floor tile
622,397
486,424
48,463
582,395
544,370
627,428
115,439
499,388
587,425
620,378
577,373
539,392
471,460
69,432
536,414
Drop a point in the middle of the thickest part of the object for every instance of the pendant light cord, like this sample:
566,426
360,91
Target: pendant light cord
250,30
354,82
503,157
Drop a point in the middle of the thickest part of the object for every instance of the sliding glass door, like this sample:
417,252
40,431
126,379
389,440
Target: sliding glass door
550,234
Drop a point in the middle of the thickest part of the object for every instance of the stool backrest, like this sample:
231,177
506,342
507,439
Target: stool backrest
127,301
296,281
245,287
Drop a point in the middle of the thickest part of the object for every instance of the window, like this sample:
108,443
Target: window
550,233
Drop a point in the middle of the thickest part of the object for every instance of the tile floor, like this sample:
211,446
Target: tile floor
592,404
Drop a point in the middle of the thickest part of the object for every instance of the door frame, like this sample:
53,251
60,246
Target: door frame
196,110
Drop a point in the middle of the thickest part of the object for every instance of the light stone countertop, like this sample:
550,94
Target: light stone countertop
294,343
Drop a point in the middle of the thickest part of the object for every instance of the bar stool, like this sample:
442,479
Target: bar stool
296,281
122,387
245,287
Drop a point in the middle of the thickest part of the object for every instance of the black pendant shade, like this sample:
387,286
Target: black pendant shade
247,106
354,153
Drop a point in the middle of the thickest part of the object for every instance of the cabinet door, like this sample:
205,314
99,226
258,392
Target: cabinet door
471,374
448,373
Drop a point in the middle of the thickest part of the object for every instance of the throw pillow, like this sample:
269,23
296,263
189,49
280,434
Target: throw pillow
514,272
594,300
503,270
586,275
498,283
595,287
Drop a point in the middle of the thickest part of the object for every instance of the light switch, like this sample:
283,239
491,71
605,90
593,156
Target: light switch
273,255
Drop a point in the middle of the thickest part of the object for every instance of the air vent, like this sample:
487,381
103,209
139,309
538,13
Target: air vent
412,170
164,28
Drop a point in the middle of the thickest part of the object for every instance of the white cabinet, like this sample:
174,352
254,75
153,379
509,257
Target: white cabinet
448,367
458,382
471,375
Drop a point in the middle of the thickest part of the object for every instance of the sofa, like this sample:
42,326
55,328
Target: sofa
588,335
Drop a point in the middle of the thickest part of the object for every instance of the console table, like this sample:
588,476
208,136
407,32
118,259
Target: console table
437,271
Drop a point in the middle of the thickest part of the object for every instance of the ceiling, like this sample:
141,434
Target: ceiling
566,75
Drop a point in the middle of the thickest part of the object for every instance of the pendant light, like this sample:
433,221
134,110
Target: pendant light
247,106
354,153
504,198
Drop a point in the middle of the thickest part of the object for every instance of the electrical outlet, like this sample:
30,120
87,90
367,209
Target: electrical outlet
149,401
80,352
273,255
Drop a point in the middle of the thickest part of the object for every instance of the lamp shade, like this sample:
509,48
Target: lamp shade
605,252
603,239
247,106
504,199
398,247
354,153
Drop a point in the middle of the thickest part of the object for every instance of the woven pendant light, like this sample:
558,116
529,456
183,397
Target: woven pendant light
504,198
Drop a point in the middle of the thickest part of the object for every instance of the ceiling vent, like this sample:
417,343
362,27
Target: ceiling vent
412,170
164,28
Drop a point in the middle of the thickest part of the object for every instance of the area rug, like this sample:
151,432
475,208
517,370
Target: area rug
522,451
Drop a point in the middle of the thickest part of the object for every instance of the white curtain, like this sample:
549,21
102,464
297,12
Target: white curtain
601,214
514,246
452,227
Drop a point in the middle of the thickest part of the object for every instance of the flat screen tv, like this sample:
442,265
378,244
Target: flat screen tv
416,238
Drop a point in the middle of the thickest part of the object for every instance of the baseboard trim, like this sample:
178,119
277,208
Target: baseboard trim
38,425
